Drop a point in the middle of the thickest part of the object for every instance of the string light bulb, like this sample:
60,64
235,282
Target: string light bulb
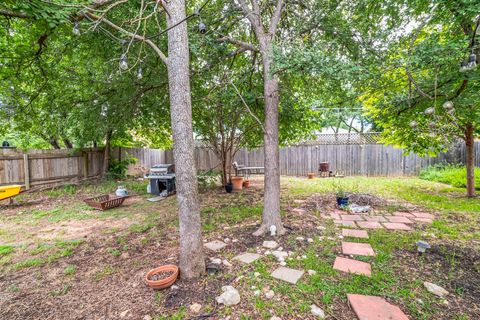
472,61
123,62
76,28
202,28
139,73
413,124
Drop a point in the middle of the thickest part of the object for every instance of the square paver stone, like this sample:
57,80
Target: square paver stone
403,214
355,233
396,226
375,218
215,245
335,216
399,219
423,220
374,308
350,224
247,257
357,249
369,225
352,266
287,274
423,215
351,217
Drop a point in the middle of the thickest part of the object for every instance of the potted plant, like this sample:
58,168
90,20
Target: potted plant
162,277
342,198
246,183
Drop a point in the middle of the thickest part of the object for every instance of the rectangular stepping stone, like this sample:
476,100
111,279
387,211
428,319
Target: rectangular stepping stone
215,245
396,226
357,249
423,220
287,274
247,257
375,218
399,219
374,308
299,211
403,214
355,233
350,224
352,266
335,216
423,215
369,225
351,217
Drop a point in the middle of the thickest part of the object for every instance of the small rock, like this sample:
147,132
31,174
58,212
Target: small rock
280,255
320,227
124,313
229,297
270,244
300,238
275,318
235,240
304,257
226,263
283,263
267,252
316,311
147,317
269,294
435,289
256,293
216,260
310,240
226,240
174,287
195,308
311,272
257,274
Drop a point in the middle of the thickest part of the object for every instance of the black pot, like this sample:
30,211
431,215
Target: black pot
342,201
229,187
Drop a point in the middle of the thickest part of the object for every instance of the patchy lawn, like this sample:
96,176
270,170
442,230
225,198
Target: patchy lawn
61,260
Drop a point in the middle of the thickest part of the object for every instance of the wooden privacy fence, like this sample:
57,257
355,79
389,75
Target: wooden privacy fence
48,167
298,160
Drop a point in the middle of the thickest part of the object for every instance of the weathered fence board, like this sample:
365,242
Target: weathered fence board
41,167
348,159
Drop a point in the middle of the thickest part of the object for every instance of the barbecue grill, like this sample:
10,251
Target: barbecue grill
161,180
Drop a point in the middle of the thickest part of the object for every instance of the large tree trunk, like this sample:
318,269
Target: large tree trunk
192,262
271,199
106,154
470,148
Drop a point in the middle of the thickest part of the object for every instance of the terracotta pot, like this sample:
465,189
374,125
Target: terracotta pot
246,183
237,183
311,175
162,283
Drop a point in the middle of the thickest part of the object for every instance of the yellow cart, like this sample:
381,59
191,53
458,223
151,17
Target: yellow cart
7,192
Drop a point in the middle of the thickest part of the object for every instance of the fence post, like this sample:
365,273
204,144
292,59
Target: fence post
85,165
26,171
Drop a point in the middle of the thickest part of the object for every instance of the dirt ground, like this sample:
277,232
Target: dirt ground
111,262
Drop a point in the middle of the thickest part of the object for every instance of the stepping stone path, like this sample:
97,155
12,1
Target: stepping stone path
215,245
352,266
287,274
350,224
247,257
374,308
399,219
369,225
357,249
355,233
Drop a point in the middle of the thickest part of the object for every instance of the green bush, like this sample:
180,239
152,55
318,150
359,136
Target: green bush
207,179
454,175
117,169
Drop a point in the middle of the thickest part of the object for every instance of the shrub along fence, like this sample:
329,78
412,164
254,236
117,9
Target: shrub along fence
48,167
